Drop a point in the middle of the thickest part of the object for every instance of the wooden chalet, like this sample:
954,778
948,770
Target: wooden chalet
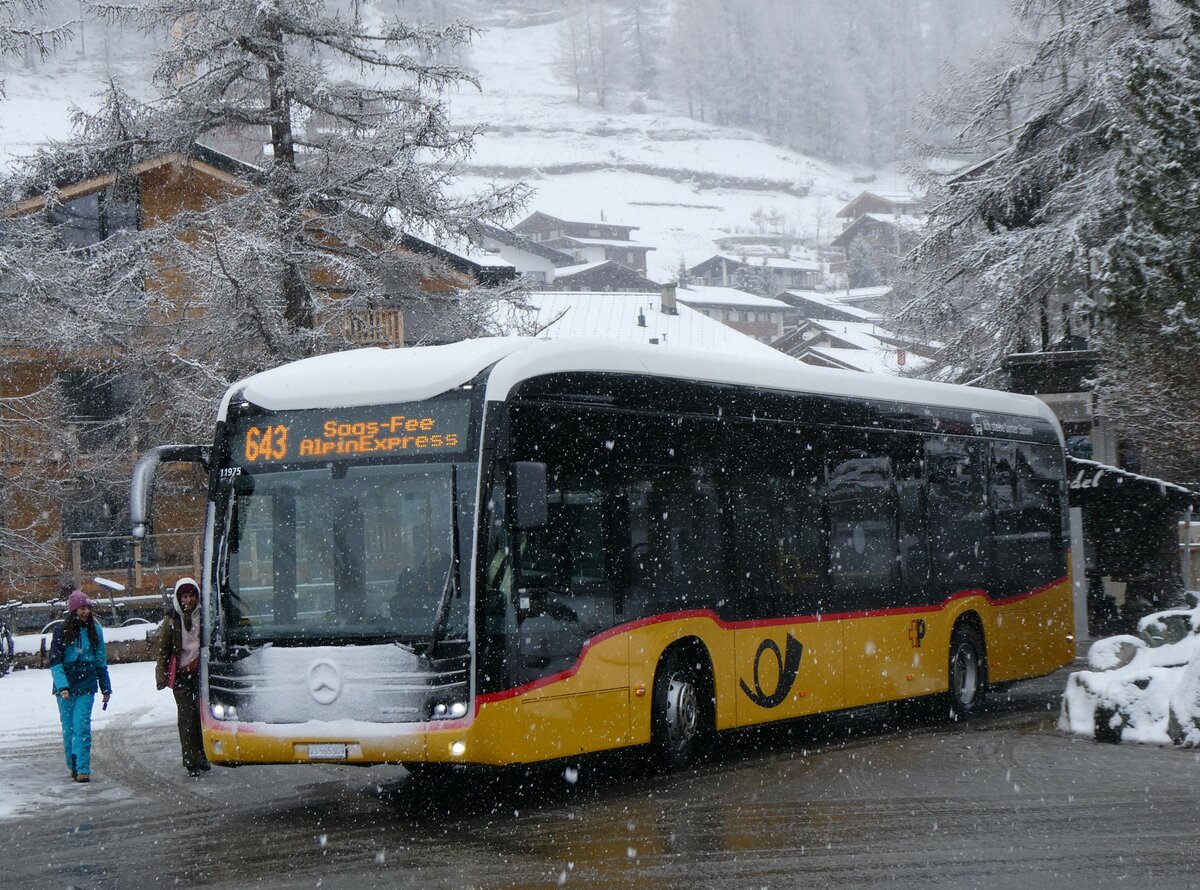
722,270
603,276
888,203
759,317
89,517
588,242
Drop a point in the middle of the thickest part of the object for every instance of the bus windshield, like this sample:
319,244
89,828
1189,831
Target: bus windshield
342,553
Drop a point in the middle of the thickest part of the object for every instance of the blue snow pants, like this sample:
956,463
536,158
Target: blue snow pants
76,715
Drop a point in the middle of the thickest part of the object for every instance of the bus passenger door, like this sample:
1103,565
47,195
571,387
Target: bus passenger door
566,608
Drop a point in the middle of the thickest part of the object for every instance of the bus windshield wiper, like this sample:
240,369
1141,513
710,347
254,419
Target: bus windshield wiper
450,585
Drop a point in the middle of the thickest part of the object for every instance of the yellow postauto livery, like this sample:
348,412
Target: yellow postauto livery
511,550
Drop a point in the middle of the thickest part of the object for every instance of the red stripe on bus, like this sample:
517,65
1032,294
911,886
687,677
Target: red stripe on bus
742,625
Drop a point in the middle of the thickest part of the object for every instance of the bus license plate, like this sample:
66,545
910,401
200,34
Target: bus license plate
326,752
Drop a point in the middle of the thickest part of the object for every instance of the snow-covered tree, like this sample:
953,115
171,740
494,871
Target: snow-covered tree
860,264
756,278
1006,256
24,31
591,52
838,80
356,151
640,24
305,242
1149,302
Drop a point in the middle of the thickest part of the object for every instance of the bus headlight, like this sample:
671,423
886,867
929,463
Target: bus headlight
458,749
224,712
452,711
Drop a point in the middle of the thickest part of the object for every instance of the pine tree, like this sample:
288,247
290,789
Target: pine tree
1149,303
756,278
860,264
1007,248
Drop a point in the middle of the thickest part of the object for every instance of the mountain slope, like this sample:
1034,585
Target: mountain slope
682,182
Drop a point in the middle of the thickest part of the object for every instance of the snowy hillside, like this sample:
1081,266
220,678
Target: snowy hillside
681,182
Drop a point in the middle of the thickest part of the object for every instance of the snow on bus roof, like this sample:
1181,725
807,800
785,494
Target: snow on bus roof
371,376
377,376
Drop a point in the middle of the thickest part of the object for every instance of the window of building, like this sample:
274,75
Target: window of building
91,218
94,524
96,404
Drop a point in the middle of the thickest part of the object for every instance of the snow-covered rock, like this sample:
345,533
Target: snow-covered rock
1143,688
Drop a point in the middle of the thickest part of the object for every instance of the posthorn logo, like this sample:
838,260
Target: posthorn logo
324,682
787,663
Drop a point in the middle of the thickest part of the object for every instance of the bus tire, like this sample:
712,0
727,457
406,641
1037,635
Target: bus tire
968,671
679,715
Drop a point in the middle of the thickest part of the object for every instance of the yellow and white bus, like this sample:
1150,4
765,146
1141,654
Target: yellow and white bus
513,550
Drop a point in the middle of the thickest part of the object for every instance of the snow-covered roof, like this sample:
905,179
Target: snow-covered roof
538,214
898,196
773,262
874,361
567,271
834,302
903,220
458,246
706,295
525,243
615,316
861,335
606,242
851,294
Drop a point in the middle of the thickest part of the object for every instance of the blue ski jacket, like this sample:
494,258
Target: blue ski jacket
78,666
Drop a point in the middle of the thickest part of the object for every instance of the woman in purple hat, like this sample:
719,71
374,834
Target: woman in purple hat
79,667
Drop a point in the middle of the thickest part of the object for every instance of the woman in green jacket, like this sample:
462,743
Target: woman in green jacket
179,667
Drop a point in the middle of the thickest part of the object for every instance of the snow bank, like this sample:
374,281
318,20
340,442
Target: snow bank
1143,688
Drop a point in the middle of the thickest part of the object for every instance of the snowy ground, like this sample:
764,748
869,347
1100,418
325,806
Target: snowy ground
32,770
1149,683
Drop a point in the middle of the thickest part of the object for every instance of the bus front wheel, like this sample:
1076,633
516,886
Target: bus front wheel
968,671
679,716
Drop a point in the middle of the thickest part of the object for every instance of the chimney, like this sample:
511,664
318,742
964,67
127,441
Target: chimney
669,307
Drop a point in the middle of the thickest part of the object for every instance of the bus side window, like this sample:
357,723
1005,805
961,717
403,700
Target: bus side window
911,525
958,520
1039,500
674,545
863,566
777,547
1007,545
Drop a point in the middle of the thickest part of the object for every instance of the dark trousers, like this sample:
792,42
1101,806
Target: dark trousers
187,703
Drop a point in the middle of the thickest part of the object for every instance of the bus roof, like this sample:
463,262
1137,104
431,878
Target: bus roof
378,376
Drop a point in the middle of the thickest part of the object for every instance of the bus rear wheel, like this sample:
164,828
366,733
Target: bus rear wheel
679,716
968,671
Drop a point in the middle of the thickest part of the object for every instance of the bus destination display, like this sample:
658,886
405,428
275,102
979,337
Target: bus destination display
342,433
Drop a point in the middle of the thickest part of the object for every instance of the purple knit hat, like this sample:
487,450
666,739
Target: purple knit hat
76,599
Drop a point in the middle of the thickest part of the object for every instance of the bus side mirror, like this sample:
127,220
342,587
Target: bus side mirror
529,494
141,488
